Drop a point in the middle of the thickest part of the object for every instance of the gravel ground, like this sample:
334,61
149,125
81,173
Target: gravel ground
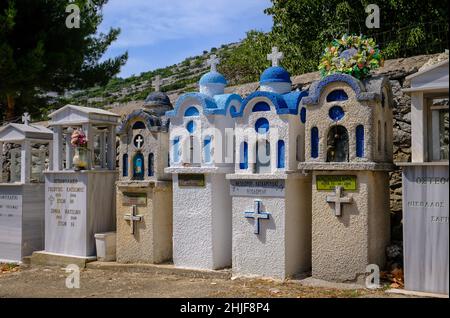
49,282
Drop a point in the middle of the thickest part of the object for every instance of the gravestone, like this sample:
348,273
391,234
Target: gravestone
79,198
349,152
144,190
199,163
425,183
22,189
271,198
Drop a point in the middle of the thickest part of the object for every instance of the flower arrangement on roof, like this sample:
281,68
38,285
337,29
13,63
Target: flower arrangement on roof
78,139
353,55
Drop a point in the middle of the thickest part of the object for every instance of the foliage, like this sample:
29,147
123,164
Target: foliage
39,54
353,55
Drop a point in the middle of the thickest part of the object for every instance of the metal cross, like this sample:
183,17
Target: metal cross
213,62
338,200
133,217
157,83
257,215
26,118
275,57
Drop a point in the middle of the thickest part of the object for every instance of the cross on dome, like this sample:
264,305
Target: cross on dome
157,83
275,56
213,62
26,118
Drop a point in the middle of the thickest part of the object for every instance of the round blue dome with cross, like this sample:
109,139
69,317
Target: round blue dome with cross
275,74
213,78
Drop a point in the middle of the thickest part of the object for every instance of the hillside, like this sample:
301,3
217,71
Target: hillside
178,78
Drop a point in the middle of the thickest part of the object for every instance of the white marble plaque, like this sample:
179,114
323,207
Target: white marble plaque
65,214
10,224
426,213
259,188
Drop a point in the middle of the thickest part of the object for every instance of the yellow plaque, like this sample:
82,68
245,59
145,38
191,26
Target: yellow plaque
328,183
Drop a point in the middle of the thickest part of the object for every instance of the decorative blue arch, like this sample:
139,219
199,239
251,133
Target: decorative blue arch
357,86
281,151
152,122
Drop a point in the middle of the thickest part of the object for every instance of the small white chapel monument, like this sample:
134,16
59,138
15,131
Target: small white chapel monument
80,188
349,151
201,198
144,190
22,188
425,182
271,200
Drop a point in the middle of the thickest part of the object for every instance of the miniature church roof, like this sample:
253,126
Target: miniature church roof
213,78
284,103
275,74
217,105
152,122
21,132
72,114
158,99
370,89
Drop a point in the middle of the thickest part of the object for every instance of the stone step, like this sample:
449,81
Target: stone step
166,269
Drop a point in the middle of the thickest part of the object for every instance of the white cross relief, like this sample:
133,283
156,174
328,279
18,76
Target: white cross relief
157,83
139,141
275,57
338,200
133,217
213,62
26,118
257,215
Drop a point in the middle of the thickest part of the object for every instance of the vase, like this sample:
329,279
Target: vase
80,159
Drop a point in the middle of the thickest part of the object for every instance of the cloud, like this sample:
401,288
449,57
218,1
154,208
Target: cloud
148,22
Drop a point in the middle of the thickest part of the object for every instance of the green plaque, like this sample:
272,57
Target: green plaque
328,183
191,180
137,199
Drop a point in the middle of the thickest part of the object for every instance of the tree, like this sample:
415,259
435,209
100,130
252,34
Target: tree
302,27
246,62
40,54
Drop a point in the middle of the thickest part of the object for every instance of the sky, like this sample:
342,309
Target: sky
159,33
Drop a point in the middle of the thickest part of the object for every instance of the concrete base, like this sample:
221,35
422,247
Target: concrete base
167,269
52,259
415,293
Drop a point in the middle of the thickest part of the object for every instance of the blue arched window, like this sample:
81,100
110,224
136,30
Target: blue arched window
243,165
191,126
138,167
262,125
314,142
261,107
151,165
138,125
360,141
191,112
176,150
338,95
281,154
303,115
207,150
125,165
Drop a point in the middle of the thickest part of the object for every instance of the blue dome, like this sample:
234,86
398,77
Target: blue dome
213,78
275,75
